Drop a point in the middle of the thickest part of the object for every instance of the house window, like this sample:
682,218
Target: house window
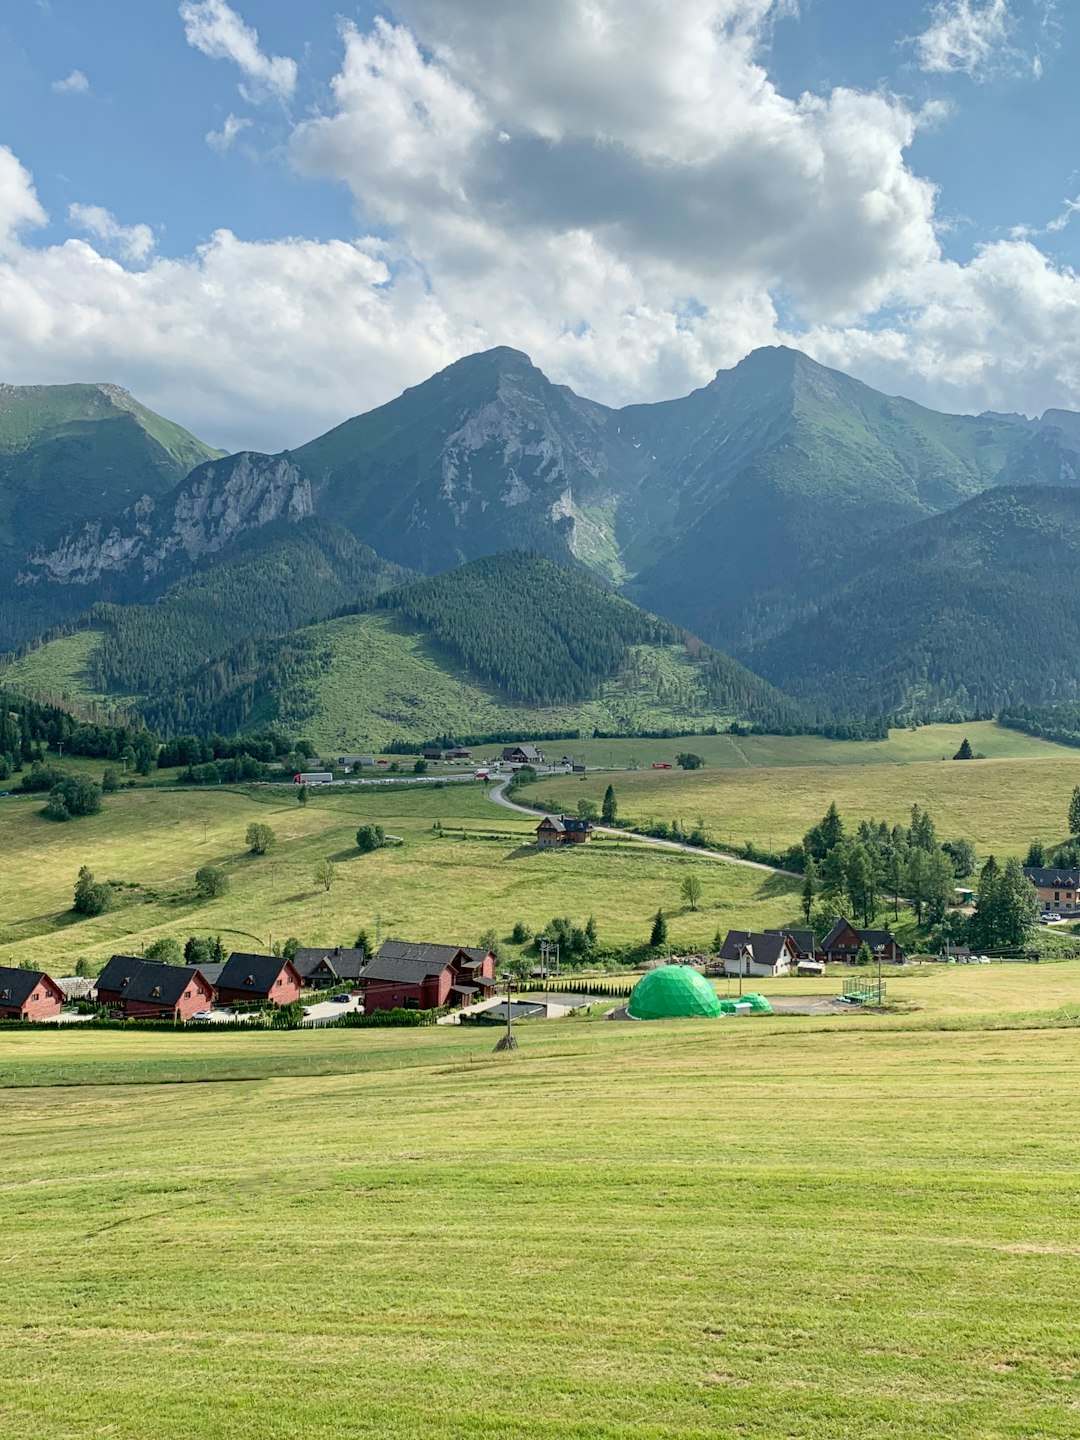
187,994
35,997
1057,894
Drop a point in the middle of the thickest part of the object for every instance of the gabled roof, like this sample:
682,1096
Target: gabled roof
565,824
872,938
157,984
16,986
118,971
412,963
529,751
343,963
254,973
767,947
803,940
1046,877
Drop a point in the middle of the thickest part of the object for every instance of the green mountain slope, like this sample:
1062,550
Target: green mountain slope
965,612
491,646
72,455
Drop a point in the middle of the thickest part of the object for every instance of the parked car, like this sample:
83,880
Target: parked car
341,999
203,1017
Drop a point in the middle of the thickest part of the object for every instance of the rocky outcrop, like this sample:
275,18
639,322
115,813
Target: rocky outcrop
217,503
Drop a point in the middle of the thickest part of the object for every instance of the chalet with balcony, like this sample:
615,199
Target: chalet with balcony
409,976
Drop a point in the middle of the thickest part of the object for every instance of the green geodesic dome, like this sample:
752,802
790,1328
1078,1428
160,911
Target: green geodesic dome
673,990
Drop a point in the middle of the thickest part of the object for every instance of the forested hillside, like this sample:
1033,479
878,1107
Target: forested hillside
963,614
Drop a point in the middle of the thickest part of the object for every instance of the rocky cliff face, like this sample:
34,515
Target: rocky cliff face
216,504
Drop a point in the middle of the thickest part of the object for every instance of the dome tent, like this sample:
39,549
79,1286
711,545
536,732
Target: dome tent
670,991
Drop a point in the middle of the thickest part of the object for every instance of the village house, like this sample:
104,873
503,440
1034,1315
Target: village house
325,969
803,944
115,976
522,755
432,752
556,830
166,992
1057,889
746,952
258,980
843,941
459,753
28,995
411,976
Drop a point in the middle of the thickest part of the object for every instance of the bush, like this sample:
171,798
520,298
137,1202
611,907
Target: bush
73,795
370,837
167,950
689,761
259,838
211,881
111,781
91,898
520,933
41,777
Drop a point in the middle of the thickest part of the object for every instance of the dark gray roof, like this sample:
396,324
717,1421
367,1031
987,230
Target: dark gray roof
529,751
344,964
1046,877
212,972
157,984
565,823
16,986
254,973
803,940
119,971
410,963
767,946
872,938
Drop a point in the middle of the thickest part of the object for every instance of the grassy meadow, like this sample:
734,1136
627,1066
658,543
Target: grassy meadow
452,883
817,1229
999,804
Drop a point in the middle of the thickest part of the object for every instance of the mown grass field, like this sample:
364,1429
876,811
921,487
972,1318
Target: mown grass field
818,1230
451,885
1000,805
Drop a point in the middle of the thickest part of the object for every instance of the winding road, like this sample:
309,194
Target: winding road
497,795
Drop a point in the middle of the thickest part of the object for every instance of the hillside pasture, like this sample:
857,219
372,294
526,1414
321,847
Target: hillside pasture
716,1228
1000,805
478,871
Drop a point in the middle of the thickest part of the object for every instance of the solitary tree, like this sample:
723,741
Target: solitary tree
1074,812
658,935
587,810
687,760
324,873
91,897
301,794
691,889
211,881
864,955
259,837
370,837
420,767
965,752
610,809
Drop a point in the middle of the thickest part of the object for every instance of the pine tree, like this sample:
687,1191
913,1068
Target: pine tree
610,809
1017,904
1036,855
916,880
986,920
658,935
965,752
1074,812
809,887
832,828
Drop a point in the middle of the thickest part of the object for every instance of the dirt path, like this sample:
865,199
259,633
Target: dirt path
497,795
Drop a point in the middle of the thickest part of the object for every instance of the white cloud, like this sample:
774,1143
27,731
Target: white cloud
968,36
74,84
132,242
222,140
220,33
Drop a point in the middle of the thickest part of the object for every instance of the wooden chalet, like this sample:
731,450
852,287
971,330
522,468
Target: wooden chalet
522,755
843,941
150,990
764,953
258,980
556,830
325,969
28,995
411,976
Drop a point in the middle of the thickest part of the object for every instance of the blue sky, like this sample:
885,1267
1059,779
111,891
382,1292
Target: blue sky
634,207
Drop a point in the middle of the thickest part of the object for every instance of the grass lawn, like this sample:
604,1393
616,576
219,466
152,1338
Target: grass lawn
478,873
811,1230
1000,805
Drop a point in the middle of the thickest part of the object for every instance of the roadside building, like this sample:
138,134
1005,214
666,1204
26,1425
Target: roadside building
557,830
803,944
1057,888
522,755
258,980
28,995
405,975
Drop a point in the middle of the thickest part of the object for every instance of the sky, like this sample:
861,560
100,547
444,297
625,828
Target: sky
263,217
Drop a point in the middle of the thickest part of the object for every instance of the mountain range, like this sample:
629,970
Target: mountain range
861,553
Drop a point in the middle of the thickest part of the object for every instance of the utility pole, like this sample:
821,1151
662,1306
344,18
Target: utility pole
509,1040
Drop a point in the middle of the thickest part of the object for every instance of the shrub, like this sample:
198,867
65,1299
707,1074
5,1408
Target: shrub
259,838
370,837
211,881
91,898
71,796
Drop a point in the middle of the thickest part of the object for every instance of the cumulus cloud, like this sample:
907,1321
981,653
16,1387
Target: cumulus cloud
221,33
74,84
964,35
132,242
222,140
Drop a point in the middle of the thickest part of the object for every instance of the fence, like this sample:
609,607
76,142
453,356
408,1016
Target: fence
866,988
573,982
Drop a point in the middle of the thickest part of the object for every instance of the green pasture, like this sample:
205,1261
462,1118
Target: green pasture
816,1230
474,873
999,804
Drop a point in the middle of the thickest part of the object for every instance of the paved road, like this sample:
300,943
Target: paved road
497,794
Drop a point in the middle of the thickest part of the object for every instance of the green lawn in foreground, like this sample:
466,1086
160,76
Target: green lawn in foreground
1000,805
479,873
731,1228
